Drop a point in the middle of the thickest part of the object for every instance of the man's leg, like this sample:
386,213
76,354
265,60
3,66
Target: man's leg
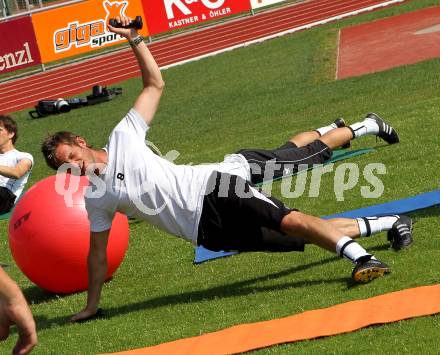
337,138
239,207
304,138
324,234
266,165
302,149
371,125
398,228
336,135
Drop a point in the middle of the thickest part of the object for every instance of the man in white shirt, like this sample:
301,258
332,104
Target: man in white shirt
213,205
15,166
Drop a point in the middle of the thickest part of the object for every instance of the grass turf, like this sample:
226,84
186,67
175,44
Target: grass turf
256,97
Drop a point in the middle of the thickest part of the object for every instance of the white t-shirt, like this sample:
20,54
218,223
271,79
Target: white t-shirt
141,184
11,158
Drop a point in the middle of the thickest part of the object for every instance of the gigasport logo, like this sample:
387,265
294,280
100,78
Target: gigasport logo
93,33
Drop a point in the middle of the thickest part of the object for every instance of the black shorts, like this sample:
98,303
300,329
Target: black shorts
7,199
230,221
266,165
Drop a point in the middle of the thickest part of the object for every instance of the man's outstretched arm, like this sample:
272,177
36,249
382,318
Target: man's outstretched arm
97,269
148,101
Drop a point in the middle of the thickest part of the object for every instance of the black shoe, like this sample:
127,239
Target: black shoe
340,122
369,269
386,132
400,235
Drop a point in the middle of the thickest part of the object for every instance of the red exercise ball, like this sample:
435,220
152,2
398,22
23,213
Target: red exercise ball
49,235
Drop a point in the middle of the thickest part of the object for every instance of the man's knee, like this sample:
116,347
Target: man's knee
294,221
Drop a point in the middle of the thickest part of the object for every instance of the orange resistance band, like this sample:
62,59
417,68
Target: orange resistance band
342,318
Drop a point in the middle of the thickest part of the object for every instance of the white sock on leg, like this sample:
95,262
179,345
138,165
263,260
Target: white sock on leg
326,129
348,248
373,225
367,126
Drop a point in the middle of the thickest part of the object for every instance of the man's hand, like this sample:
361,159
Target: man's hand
16,311
87,314
128,33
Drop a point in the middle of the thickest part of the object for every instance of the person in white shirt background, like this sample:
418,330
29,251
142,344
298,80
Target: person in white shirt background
15,166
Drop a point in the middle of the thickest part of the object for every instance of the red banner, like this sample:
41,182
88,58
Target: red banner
18,46
166,15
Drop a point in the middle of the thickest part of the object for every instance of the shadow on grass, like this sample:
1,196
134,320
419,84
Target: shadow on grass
236,289
36,295
241,288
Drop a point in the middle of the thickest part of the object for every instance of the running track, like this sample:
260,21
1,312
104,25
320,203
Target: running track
111,68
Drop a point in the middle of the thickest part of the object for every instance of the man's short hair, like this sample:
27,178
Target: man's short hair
51,143
10,125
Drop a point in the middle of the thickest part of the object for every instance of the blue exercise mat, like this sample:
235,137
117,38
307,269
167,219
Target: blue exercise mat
202,254
405,205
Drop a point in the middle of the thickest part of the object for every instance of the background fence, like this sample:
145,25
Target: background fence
13,7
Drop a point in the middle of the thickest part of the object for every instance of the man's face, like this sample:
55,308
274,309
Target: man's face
77,155
5,136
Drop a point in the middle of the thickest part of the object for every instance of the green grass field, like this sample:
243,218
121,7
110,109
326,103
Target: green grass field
257,97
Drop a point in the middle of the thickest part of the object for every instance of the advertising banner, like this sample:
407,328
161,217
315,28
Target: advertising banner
18,46
260,3
167,15
82,27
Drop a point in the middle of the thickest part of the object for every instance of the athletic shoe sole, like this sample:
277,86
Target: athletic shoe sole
370,273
